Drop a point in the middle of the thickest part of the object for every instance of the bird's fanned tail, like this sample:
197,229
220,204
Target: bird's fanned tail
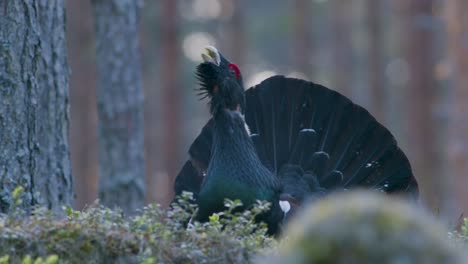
340,143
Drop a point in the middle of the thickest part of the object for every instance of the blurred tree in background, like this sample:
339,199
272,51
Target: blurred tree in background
171,91
302,45
342,50
403,60
83,110
457,26
420,55
376,58
120,104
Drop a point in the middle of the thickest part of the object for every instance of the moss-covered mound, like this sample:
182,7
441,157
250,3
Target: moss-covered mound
364,227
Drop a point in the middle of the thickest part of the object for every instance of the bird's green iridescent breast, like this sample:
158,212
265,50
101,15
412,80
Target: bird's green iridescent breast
216,189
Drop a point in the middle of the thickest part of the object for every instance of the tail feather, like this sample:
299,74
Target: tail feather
333,179
318,163
270,110
257,141
305,140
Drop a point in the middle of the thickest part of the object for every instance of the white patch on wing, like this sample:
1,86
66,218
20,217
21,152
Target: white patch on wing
285,206
245,123
247,128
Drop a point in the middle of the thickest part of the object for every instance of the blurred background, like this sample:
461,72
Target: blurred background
403,60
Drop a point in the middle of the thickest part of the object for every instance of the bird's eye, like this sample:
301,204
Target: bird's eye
234,70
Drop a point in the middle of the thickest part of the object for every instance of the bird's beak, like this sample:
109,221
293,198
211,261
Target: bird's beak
211,54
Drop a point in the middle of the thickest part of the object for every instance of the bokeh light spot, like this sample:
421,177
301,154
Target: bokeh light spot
194,43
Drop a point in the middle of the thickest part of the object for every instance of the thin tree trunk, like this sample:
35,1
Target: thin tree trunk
120,104
457,22
341,46
83,121
424,153
150,38
376,47
34,119
302,45
171,92
236,34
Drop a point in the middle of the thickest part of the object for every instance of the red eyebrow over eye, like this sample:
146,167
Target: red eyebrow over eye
235,68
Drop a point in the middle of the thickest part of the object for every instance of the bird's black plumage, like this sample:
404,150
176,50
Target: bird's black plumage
306,140
235,171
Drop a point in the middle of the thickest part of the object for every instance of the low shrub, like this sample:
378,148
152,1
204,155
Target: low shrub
101,235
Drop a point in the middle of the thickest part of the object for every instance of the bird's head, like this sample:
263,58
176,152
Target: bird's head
220,81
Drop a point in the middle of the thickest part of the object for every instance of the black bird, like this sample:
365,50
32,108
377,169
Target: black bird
305,141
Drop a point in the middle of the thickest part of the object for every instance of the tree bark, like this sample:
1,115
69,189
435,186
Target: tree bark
34,108
171,92
458,130
120,104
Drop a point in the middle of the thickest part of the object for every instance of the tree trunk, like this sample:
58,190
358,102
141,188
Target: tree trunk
149,39
34,119
171,92
120,104
376,47
302,44
424,154
83,121
458,130
341,46
235,27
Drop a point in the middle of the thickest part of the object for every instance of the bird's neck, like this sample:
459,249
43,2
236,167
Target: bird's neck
234,158
236,172
232,146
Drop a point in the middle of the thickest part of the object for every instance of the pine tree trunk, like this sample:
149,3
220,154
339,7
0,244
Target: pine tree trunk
458,131
237,44
424,154
83,120
171,92
150,40
120,104
302,44
34,118
341,46
376,47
